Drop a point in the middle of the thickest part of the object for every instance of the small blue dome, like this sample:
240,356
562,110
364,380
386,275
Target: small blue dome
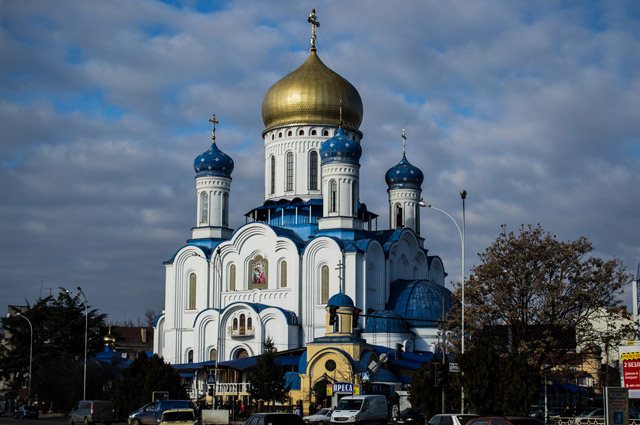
213,162
419,302
385,321
340,300
404,176
340,148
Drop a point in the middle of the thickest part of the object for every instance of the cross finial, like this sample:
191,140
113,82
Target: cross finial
313,20
213,132
339,268
404,139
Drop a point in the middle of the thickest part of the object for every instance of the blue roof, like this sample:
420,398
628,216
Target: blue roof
340,148
292,380
404,176
419,301
213,162
340,300
240,364
385,321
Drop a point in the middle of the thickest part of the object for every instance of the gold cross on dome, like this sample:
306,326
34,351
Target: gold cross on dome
313,20
404,139
213,132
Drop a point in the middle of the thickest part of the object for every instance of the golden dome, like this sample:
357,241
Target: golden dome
311,95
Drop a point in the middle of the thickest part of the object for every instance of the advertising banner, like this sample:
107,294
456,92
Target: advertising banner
630,370
616,403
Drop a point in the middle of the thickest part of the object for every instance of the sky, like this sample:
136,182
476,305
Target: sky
531,107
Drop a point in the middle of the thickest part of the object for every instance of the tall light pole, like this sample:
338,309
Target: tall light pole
86,332
463,196
30,350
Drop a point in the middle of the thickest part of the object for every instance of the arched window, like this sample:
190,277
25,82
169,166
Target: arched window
283,274
204,208
333,193
313,132
213,354
249,324
289,171
273,136
225,210
325,133
232,277
289,134
242,354
280,135
399,217
192,291
235,324
354,198
301,133
273,174
190,356
324,285
242,326
313,170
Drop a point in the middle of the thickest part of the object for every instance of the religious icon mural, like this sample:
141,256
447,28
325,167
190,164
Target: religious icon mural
258,278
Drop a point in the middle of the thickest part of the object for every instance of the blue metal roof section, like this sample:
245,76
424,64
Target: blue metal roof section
302,364
280,232
340,300
207,247
340,148
383,375
404,176
239,364
385,321
292,380
213,162
412,361
419,302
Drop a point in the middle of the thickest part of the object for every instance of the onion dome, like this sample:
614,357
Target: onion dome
340,300
340,148
109,339
213,162
311,95
404,176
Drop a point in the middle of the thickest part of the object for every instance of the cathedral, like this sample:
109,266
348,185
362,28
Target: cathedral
311,239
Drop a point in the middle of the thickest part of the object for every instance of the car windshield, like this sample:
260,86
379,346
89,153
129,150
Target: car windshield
349,404
465,418
323,412
177,416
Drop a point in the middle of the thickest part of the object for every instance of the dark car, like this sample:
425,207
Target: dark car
411,415
274,419
505,420
26,412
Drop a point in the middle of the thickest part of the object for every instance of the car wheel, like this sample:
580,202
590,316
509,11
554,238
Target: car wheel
321,423
70,420
136,422
86,421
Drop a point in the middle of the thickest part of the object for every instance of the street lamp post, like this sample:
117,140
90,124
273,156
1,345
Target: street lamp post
30,351
463,196
86,332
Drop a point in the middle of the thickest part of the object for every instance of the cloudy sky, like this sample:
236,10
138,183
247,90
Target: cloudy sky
532,107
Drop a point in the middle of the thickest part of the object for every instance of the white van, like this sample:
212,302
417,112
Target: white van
361,409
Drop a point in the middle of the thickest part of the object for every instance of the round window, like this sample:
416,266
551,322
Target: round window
330,365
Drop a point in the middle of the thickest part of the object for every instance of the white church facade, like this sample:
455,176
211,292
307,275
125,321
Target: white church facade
311,237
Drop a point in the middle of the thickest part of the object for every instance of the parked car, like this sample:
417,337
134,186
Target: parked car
321,417
178,417
505,420
92,411
592,412
411,415
26,412
274,419
151,413
451,419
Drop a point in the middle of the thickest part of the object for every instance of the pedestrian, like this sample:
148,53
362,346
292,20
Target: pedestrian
297,411
395,411
242,407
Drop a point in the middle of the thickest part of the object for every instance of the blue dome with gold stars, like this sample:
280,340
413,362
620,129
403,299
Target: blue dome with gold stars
213,162
404,176
340,148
